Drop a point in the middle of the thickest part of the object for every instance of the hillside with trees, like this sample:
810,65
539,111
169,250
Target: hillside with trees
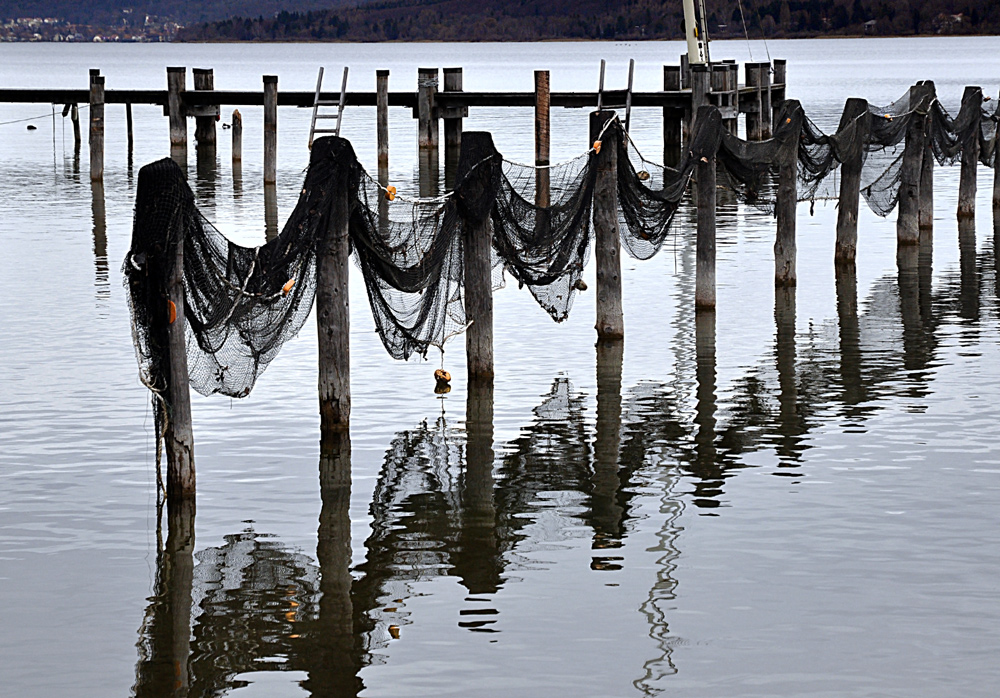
533,20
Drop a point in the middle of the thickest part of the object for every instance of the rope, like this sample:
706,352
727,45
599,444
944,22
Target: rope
32,118
745,32
761,25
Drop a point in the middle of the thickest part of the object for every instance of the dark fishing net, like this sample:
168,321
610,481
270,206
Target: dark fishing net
649,193
541,228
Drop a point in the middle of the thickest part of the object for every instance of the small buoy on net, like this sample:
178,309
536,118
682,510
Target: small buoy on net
642,175
580,285
788,120
287,287
32,127
442,382
704,159
597,147
889,117
171,312
390,193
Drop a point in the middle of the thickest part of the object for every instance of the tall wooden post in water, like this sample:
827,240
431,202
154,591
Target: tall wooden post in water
270,129
176,79
178,434
542,101
204,131
856,118
607,247
475,172
96,126
972,100
333,317
382,118
907,221
704,284
925,214
784,208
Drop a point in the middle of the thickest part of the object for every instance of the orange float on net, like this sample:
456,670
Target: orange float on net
288,286
171,312
597,147
390,193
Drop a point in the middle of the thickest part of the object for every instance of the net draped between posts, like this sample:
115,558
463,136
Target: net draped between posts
243,303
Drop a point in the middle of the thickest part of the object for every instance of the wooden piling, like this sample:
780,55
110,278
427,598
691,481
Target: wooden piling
754,132
542,184
237,128
96,127
784,209
685,65
856,114
996,183
453,118
270,129
672,118
128,126
176,78
427,124
701,86
766,106
333,317
925,209
74,115
907,221
178,435
704,285
971,99
204,131
607,248
478,244
382,116
779,76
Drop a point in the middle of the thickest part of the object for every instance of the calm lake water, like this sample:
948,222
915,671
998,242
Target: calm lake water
801,503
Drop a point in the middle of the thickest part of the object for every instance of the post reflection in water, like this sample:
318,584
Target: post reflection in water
849,333
237,179
101,279
607,512
968,263
705,420
477,562
165,636
207,172
333,658
790,422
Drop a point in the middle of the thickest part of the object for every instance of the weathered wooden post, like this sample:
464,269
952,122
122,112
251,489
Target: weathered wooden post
333,317
685,71
476,168
787,198
75,118
237,136
382,117
128,126
855,117
766,107
542,183
996,186
779,77
672,118
704,285
972,100
204,131
452,117
733,85
754,132
176,79
270,212
925,214
96,126
427,122
270,129
701,86
607,247
907,220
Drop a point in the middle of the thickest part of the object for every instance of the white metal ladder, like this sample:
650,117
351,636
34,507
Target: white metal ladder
317,103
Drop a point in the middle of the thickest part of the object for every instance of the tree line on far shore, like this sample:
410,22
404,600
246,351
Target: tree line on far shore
535,20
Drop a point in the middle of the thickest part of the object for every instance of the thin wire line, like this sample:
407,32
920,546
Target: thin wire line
746,33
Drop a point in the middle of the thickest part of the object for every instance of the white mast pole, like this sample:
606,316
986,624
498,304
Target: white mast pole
696,39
